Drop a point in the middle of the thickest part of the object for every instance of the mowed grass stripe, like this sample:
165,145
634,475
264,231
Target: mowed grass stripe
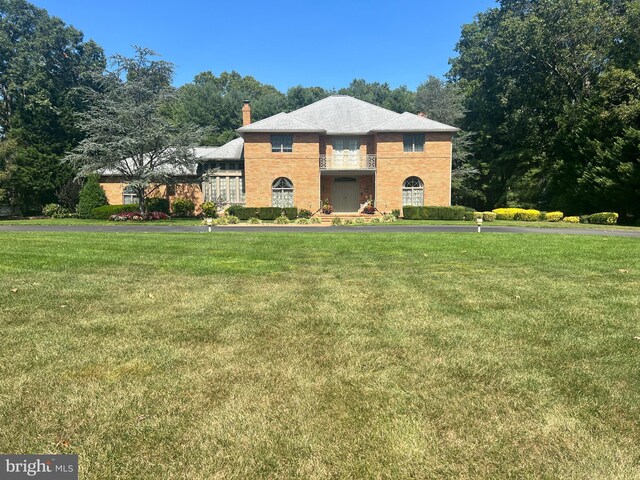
375,355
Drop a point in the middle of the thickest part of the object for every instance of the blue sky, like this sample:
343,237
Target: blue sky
283,43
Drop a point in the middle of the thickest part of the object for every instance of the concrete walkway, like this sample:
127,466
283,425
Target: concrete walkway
148,228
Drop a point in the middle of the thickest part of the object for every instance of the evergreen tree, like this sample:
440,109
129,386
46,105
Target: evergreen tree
91,196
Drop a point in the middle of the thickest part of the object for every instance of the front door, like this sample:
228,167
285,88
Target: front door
344,195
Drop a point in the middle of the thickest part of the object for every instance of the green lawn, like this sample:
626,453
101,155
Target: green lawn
371,355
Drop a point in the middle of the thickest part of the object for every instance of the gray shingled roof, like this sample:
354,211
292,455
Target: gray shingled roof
282,122
345,115
229,151
408,122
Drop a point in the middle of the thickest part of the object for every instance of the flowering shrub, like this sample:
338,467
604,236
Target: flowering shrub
571,219
553,216
138,217
368,206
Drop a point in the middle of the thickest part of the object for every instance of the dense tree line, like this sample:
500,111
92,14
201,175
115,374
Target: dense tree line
547,93
552,93
42,61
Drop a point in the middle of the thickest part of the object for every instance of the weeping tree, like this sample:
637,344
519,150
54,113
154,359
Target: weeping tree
126,134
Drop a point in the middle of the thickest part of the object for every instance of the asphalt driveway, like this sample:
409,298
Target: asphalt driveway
149,228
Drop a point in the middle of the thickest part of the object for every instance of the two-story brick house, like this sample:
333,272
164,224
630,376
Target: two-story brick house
338,149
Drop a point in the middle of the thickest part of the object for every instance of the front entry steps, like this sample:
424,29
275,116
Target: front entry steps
327,219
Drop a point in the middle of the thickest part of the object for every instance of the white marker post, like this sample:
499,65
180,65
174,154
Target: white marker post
479,222
209,223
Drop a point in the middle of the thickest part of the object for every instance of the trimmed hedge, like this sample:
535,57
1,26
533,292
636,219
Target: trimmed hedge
571,219
243,213
157,204
437,213
263,213
553,216
105,212
527,215
603,218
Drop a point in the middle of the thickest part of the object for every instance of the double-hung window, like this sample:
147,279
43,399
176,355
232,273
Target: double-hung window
282,143
413,142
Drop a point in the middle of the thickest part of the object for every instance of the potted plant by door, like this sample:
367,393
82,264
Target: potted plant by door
368,206
327,209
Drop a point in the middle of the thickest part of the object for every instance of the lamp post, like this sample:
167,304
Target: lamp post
479,223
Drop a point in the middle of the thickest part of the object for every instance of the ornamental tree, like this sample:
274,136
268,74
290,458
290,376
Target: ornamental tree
127,135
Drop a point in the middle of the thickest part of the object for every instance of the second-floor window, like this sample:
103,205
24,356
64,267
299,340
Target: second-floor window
413,142
282,143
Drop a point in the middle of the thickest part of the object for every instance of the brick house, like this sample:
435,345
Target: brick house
338,149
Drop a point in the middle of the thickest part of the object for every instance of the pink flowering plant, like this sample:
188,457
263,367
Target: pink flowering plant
138,217
368,206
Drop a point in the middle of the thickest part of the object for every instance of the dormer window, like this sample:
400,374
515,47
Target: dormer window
282,143
413,142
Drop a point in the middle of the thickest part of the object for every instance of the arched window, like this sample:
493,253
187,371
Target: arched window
282,193
413,192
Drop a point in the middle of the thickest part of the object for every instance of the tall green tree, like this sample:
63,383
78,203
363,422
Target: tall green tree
526,68
216,102
443,101
42,61
399,100
125,130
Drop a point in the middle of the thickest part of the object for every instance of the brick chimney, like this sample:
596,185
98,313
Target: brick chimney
421,114
246,113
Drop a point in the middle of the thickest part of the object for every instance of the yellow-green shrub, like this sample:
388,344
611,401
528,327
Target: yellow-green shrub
571,219
604,218
553,216
489,216
527,215
477,215
506,213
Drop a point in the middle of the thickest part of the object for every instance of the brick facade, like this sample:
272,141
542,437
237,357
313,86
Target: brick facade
433,167
114,187
262,167
301,166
